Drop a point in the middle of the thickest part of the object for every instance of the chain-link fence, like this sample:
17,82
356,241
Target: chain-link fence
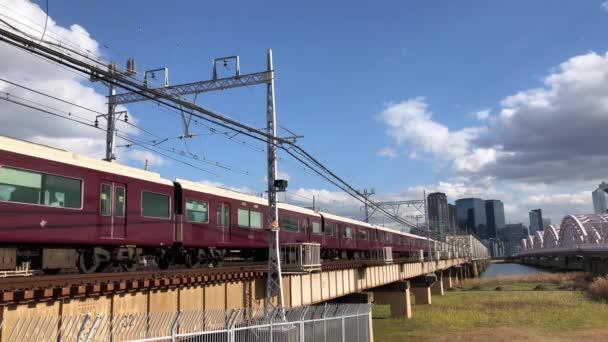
330,322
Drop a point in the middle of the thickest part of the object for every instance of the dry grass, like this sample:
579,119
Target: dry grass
598,288
564,281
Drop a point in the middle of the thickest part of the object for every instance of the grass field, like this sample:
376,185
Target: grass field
522,310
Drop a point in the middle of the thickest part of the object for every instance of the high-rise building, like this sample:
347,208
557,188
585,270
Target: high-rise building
495,215
512,234
452,226
546,222
600,199
437,206
536,221
471,216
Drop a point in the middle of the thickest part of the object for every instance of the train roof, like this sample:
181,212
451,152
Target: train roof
214,190
62,156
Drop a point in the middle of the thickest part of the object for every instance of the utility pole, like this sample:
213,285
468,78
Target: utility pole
367,194
110,128
274,285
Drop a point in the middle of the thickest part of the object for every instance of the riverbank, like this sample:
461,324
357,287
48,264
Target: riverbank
539,307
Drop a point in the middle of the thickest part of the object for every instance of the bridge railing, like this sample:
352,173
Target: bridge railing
330,322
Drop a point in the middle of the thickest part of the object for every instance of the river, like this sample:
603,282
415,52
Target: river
498,270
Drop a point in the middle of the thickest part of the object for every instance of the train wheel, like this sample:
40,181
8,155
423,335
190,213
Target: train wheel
165,259
192,258
88,261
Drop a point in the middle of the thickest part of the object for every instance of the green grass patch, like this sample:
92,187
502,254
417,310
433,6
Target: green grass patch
520,309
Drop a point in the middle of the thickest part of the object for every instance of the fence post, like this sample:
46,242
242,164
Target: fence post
324,323
83,326
343,329
302,326
175,324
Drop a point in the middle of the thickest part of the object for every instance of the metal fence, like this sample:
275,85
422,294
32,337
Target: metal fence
330,322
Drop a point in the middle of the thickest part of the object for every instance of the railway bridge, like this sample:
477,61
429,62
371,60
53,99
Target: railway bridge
579,243
41,305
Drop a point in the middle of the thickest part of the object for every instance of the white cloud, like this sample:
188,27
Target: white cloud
24,68
388,152
410,123
604,6
482,114
547,134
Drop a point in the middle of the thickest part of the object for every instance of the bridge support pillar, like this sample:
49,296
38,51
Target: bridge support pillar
447,279
474,269
437,287
397,295
422,295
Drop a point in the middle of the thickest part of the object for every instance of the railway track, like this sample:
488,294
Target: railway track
47,287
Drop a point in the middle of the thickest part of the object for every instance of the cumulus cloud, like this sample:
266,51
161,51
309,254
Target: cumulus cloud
551,133
23,68
410,123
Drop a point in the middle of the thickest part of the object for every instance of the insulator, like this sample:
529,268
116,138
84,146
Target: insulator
126,117
96,122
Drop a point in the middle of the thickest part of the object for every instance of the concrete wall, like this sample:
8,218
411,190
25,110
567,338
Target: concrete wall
301,289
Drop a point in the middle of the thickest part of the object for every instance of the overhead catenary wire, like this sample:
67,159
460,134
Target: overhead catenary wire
88,122
175,102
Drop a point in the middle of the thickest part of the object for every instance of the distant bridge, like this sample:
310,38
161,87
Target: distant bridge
580,242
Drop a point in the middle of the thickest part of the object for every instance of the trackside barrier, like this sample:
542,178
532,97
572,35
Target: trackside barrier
323,323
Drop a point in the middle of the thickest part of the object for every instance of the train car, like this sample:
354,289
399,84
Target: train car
60,209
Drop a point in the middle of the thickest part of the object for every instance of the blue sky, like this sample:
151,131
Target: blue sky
340,65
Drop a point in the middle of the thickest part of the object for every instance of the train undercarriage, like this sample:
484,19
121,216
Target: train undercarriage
52,260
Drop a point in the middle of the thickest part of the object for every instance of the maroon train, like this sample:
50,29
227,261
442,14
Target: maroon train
61,210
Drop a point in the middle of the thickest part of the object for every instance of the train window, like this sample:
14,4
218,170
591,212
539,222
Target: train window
155,205
119,201
316,228
20,186
105,199
223,214
197,211
39,188
362,234
289,223
329,229
249,218
348,232
243,217
255,218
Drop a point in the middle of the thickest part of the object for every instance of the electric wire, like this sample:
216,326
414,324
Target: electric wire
7,97
177,103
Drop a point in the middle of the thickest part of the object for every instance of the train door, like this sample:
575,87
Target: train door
113,210
119,211
223,221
